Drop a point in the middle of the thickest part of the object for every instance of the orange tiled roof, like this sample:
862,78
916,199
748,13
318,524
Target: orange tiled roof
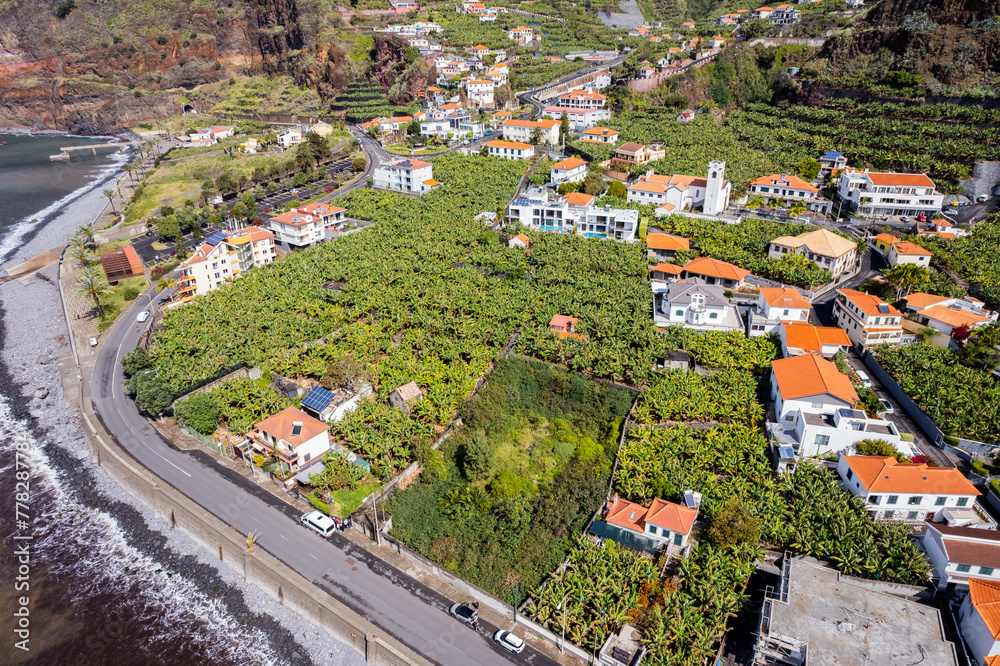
867,303
883,474
716,268
524,239
785,180
667,242
569,163
514,145
801,376
578,198
986,600
280,426
887,238
901,179
674,517
907,248
784,297
953,317
919,299
809,338
947,235
601,131
670,269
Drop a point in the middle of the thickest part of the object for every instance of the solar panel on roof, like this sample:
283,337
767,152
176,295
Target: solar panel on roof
318,399
216,238
883,308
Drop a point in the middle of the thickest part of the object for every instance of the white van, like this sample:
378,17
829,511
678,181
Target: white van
864,379
319,523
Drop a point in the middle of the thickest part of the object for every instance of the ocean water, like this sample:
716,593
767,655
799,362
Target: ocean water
104,590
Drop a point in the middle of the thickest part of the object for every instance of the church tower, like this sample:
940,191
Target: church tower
716,189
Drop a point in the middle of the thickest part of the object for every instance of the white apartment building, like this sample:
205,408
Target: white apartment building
680,192
510,150
814,404
776,305
306,225
407,175
692,303
885,194
290,137
576,213
479,92
946,314
961,553
521,130
579,119
787,188
583,99
823,248
224,257
570,170
868,320
909,492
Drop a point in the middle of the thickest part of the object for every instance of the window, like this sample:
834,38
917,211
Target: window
985,571
915,500
822,440
789,417
785,313
850,474
912,515
874,499
713,315
679,540
816,405
892,499
963,501
963,568
679,313
940,501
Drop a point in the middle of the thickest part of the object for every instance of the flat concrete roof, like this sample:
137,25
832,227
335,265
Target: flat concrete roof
843,621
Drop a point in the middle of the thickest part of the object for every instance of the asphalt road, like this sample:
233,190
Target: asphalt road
402,607
963,215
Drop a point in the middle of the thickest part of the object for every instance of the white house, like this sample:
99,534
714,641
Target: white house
521,34
947,314
784,15
213,263
823,248
692,303
575,212
579,119
684,192
222,132
290,137
716,272
873,193
979,619
961,553
664,521
600,135
583,99
814,404
292,435
510,150
570,170
407,175
776,305
905,252
522,130
306,225
664,247
792,189
479,92
868,320
798,338
909,492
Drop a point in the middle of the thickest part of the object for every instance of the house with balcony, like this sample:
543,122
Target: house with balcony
959,554
784,15
661,274
788,189
946,314
715,272
979,621
579,119
521,34
868,320
664,247
798,338
583,99
290,137
663,522
889,194
569,170
407,175
776,305
815,409
913,493
222,257
291,436
510,150
479,93
904,252
633,154
305,226
600,135
575,212
693,303
821,247
831,161
522,130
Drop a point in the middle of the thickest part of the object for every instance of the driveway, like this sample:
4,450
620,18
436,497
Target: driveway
963,215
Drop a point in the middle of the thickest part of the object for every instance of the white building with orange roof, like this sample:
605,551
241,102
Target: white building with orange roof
510,150
520,240
716,272
683,192
979,619
541,210
479,92
824,248
762,13
776,305
407,175
224,256
663,522
569,170
815,407
946,314
910,492
889,194
664,247
688,25
798,338
600,135
791,189
579,119
905,252
583,99
521,34
292,436
784,15
516,129
868,320
306,225
717,42
960,554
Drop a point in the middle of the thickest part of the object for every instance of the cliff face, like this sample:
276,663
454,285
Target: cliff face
111,62
951,42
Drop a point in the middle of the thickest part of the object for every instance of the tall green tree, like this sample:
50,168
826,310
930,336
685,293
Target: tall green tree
92,284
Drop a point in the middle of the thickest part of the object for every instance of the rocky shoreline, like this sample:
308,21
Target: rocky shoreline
32,334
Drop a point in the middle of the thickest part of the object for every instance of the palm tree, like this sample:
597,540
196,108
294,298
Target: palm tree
78,250
798,208
85,232
906,276
755,202
166,283
93,284
109,194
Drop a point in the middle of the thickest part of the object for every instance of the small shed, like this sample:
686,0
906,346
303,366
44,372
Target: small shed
519,240
120,263
404,396
676,359
563,324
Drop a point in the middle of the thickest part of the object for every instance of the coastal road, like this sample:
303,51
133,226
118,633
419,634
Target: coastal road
402,607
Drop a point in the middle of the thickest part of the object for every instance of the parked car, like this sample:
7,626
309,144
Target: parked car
465,613
904,218
921,218
887,407
489,132
864,379
509,641
318,522
983,197
143,316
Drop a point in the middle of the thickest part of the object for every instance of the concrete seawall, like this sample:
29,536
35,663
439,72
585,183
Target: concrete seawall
270,575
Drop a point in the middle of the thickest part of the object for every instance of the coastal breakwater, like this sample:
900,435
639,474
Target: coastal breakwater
276,579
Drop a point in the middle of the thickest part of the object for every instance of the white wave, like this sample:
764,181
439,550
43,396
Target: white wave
86,551
12,239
